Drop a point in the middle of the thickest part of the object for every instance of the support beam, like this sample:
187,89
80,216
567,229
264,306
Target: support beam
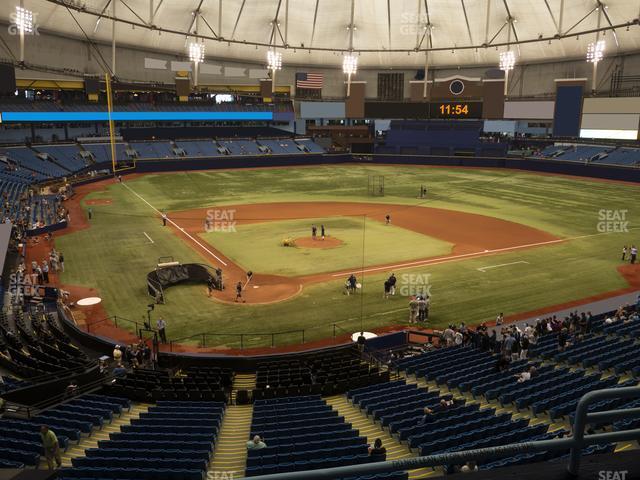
315,19
286,22
113,37
466,19
389,23
426,75
582,19
418,22
486,27
104,9
220,18
498,33
561,17
155,12
553,18
235,27
608,19
132,23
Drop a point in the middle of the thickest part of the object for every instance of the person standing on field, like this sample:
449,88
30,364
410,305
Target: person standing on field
161,325
624,253
634,254
322,232
239,292
413,311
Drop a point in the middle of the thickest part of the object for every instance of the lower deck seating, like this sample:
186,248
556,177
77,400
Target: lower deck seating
20,440
445,427
171,440
303,433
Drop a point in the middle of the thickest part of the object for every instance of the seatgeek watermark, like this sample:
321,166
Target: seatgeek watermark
215,475
612,474
23,20
415,284
412,23
220,220
23,284
613,221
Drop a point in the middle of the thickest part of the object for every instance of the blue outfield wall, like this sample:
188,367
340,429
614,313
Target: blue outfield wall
531,164
143,166
628,174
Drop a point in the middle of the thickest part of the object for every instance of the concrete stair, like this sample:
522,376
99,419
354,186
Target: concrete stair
91,441
242,381
230,454
372,430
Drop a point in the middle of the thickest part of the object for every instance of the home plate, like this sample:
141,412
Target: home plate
486,250
256,286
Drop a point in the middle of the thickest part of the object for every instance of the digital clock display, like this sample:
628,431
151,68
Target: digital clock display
455,110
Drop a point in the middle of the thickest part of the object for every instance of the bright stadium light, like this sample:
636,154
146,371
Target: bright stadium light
507,60
24,20
349,67
196,52
350,64
507,63
595,51
274,60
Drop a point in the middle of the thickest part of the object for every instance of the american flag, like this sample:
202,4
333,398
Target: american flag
309,80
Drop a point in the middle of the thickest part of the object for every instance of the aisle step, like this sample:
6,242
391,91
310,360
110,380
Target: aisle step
99,434
372,430
230,454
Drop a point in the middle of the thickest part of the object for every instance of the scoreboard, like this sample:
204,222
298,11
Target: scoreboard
424,110
452,110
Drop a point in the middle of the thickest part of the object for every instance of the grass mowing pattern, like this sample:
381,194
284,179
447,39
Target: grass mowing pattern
258,247
114,255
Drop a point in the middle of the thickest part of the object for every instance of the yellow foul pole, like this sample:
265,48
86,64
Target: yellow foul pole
112,137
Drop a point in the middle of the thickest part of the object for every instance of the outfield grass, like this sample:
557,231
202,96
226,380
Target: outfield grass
258,246
114,255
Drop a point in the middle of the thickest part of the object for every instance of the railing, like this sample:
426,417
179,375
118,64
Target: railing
575,443
17,410
115,320
338,327
241,340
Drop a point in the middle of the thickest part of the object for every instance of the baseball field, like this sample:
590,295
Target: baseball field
483,241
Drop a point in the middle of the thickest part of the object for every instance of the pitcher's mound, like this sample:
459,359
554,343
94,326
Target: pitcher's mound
308,242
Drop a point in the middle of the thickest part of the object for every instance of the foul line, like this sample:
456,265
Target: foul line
484,269
145,234
438,261
194,240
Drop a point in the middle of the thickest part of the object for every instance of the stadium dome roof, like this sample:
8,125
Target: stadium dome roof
386,32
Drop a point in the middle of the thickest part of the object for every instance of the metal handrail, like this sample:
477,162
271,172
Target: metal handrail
114,319
335,325
575,443
203,337
15,409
